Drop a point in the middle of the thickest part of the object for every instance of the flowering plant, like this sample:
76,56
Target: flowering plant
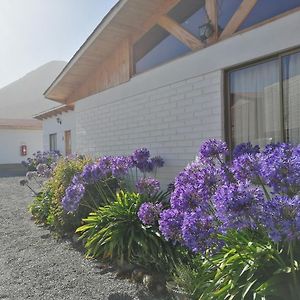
258,191
101,180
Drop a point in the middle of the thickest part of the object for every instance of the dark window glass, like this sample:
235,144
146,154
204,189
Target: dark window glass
266,9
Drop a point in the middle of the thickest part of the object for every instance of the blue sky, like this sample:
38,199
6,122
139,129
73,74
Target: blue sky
34,32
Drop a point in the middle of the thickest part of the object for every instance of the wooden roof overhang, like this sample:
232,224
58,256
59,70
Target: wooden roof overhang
106,58
25,124
126,18
54,112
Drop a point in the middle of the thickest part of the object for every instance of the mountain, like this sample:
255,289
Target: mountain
24,97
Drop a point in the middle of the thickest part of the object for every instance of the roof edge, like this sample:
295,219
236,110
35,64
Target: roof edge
105,21
54,112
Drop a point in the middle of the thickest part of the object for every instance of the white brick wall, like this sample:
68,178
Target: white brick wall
51,126
172,108
170,121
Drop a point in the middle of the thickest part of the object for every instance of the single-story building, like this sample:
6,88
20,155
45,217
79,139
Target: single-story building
59,129
168,74
19,139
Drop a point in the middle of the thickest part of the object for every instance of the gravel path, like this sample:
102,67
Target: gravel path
33,265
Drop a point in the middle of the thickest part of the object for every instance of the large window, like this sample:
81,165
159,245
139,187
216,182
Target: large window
264,101
53,142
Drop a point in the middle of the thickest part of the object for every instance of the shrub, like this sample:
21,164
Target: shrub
40,207
215,200
114,232
58,218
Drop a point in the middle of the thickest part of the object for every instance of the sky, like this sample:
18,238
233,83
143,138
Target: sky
34,32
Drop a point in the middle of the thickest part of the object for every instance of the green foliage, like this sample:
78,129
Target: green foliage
247,267
61,221
40,207
46,207
115,233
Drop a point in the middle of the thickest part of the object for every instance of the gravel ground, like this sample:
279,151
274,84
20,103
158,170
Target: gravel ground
33,265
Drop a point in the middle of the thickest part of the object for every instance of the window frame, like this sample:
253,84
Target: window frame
227,104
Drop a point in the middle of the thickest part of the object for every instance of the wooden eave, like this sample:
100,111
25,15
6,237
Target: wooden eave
125,18
54,112
23,124
106,59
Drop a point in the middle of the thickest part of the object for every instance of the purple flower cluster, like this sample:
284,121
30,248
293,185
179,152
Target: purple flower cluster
245,148
48,158
282,218
280,168
170,224
148,186
149,213
213,148
74,194
117,167
141,159
255,190
238,205
198,232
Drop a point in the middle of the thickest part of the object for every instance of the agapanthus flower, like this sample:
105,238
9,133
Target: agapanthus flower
282,218
120,166
148,186
31,174
73,196
157,161
141,155
239,205
145,166
170,224
199,231
23,182
149,213
245,148
194,187
92,173
246,167
213,148
280,168
41,169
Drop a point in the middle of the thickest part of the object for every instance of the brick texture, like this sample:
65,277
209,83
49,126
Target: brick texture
170,121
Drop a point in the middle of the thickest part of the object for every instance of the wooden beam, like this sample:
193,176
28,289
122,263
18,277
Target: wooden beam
238,18
164,9
212,12
179,32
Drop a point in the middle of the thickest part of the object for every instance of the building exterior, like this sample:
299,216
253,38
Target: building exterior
59,129
19,139
169,74
20,135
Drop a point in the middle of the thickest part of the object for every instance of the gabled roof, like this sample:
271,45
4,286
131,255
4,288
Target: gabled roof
20,124
125,18
54,112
